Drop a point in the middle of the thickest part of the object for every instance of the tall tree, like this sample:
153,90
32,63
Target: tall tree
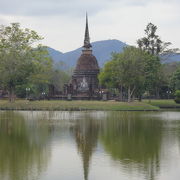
20,57
130,70
126,70
59,78
153,44
152,75
175,80
107,77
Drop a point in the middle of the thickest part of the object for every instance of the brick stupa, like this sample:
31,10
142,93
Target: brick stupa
84,79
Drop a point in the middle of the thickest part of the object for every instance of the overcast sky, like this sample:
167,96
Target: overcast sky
62,22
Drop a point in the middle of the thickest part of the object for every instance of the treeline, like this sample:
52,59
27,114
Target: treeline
26,69
25,66
140,71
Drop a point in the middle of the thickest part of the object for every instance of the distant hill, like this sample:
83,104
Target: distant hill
56,55
101,49
170,58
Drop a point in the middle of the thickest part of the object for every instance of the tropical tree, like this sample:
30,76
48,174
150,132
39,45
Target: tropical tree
131,69
21,59
134,71
107,77
127,70
153,75
177,96
175,80
59,78
152,43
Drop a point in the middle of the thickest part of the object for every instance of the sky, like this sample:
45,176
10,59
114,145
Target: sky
62,22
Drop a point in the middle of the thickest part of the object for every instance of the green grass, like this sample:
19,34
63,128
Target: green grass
75,105
163,103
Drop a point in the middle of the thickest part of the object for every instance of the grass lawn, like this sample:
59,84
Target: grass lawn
75,105
163,103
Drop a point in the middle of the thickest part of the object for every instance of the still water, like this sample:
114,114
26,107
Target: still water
89,145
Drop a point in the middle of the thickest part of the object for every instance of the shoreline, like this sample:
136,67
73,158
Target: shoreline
61,105
1,109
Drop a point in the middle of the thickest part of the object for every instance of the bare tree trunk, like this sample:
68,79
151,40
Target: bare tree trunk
11,94
129,94
133,97
140,98
157,93
121,93
149,97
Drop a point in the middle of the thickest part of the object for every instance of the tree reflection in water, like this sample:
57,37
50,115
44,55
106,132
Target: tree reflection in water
23,152
131,139
128,138
134,141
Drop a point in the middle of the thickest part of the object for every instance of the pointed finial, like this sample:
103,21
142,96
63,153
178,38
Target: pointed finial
87,43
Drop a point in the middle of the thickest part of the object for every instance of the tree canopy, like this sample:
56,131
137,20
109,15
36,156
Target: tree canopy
153,44
22,59
175,80
134,70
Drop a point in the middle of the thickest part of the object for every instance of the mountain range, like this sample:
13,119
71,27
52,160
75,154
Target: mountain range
101,49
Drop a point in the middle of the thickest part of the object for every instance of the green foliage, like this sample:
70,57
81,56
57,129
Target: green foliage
40,77
175,80
177,93
133,69
152,43
59,78
107,77
21,61
177,96
152,73
168,70
158,75
20,90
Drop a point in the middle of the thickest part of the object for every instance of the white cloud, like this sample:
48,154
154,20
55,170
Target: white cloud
62,22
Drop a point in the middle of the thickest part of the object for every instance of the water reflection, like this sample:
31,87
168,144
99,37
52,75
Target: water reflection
134,141
23,152
139,144
86,136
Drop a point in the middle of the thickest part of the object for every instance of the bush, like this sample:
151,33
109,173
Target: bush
177,100
177,93
177,96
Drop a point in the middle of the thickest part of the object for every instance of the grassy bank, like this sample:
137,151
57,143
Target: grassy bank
75,105
163,103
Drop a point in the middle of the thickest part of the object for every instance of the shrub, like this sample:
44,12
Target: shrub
177,96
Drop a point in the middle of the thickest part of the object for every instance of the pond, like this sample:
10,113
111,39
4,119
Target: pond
40,145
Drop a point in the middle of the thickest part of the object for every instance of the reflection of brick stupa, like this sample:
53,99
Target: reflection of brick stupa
84,79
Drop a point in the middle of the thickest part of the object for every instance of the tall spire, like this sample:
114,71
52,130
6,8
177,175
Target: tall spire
87,43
